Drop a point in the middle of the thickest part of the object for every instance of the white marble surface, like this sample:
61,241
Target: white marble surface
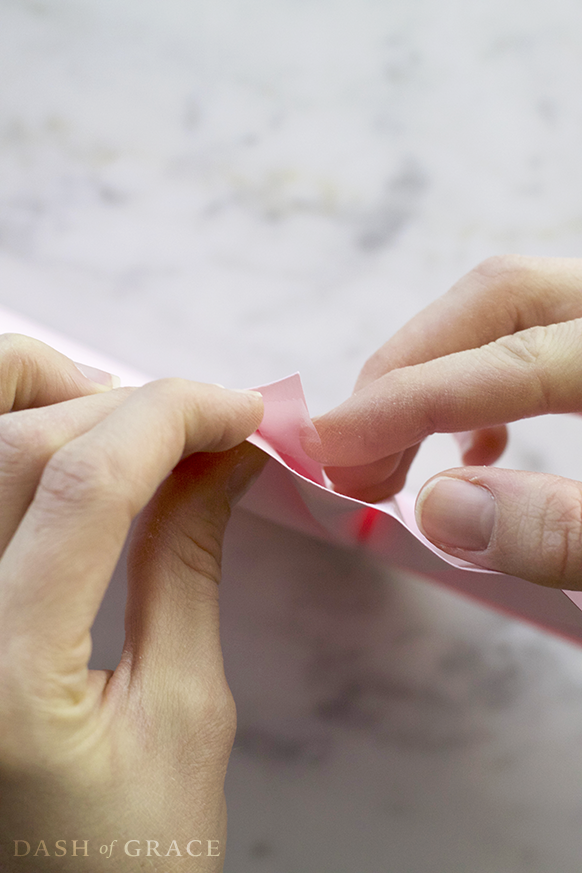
235,190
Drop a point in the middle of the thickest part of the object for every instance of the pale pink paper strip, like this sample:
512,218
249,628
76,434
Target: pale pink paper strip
293,491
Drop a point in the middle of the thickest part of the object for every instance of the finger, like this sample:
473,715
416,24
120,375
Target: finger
520,523
174,570
34,374
28,439
482,447
55,571
386,477
499,297
532,372
355,480
372,483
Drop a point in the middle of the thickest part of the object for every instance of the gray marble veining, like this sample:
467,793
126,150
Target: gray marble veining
231,191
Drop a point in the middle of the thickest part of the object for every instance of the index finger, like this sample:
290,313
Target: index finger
532,372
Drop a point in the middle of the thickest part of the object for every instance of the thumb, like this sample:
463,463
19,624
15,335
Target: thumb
520,523
174,566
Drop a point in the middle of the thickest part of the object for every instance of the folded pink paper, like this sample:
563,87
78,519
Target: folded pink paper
293,491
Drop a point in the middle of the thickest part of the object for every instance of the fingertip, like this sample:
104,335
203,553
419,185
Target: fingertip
246,391
247,399
521,523
456,514
246,410
256,403
368,482
311,442
482,447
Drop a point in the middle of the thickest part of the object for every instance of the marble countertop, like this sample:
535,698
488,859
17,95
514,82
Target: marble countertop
231,191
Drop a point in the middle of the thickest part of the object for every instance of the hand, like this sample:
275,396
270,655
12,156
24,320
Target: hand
140,753
504,343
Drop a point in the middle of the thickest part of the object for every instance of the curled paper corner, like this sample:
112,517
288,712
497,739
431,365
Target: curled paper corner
285,418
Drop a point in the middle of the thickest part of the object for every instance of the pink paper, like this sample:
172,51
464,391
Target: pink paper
293,491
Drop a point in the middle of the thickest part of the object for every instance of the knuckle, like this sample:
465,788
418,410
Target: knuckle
217,706
528,350
183,401
503,268
216,716
18,360
204,722
506,281
23,439
75,479
13,346
200,552
525,347
560,533
168,396
168,389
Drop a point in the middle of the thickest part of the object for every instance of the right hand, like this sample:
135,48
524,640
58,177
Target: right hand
504,343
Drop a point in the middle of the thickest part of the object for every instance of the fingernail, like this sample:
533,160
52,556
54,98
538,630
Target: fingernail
239,390
246,391
100,377
456,513
245,473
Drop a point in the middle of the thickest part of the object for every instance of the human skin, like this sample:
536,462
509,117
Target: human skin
138,753
505,343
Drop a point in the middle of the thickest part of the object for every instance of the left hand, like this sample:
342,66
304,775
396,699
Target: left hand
139,753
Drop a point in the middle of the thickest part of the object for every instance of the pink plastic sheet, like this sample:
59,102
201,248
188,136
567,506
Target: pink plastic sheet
293,491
